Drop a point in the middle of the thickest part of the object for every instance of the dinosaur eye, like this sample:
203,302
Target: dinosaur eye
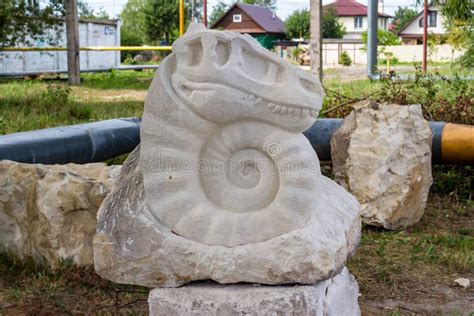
222,52
195,53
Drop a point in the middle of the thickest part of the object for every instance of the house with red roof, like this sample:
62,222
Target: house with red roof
257,21
353,15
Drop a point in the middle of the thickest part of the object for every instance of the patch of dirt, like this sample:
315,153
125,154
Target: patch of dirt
412,272
109,95
67,291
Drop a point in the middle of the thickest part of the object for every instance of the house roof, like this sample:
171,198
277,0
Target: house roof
263,16
351,8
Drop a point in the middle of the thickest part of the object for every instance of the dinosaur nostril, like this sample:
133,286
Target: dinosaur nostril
254,66
195,53
222,52
310,86
274,72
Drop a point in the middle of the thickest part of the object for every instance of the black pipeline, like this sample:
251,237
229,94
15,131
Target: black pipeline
82,143
99,141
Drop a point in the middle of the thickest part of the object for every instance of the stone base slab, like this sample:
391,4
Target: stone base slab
336,296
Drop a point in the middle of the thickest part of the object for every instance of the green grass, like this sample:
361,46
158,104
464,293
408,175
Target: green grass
29,105
138,80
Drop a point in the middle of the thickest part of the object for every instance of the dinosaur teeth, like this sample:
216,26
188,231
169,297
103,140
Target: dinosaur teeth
258,100
276,109
289,110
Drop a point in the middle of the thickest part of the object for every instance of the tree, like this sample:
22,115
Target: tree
86,12
332,28
297,24
460,24
161,19
197,5
385,38
133,29
217,12
25,22
402,17
271,4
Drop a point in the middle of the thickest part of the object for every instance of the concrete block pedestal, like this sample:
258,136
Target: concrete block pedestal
336,296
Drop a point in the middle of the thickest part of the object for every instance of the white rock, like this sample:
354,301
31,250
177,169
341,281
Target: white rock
224,186
463,282
382,155
48,212
337,296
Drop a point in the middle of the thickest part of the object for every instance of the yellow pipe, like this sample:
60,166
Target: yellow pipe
98,48
457,144
181,17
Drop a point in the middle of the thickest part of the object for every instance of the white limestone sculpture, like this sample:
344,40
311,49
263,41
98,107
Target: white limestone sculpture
227,188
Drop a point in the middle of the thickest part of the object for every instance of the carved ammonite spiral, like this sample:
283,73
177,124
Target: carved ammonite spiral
223,158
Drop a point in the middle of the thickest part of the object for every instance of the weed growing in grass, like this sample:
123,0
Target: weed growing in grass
453,181
442,99
80,111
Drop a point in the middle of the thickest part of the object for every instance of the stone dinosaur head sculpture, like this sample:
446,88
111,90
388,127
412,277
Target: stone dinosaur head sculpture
227,76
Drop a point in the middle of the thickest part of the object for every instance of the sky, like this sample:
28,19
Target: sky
284,7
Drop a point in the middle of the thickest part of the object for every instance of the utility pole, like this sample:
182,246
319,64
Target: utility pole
372,38
425,36
204,13
316,40
72,32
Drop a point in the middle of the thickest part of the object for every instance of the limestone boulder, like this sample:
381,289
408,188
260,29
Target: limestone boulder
48,212
333,297
382,155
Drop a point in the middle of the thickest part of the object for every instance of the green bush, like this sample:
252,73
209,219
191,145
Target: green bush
393,61
344,59
296,52
442,99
